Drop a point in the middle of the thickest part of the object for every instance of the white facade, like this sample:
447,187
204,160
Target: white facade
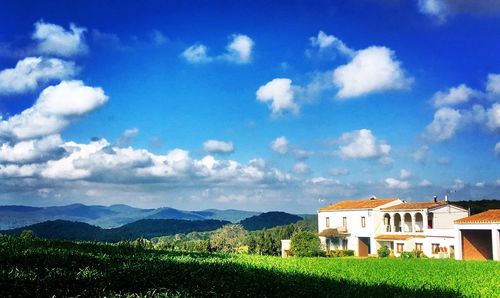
494,229
427,227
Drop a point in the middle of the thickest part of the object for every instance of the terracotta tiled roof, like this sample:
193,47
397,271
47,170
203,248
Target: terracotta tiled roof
397,237
358,204
490,216
332,233
416,205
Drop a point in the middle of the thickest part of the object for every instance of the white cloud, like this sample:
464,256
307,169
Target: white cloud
493,116
362,144
31,150
444,126
239,49
454,96
280,145
280,93
126,138
54,39
54,109
425,183
497,149
301,168
398,184
324,42
215,146
158,37
32,71
339,172
440,10
371,70
420,155
196,54
458,184
493,84
404,174
434,8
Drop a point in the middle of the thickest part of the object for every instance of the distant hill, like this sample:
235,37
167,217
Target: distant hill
107,217
478,206
147,228
269,220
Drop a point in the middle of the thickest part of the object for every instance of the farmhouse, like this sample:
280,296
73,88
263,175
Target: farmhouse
478,236
365,225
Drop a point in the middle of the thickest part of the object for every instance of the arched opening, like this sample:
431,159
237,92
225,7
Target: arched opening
387,222
419,222
397,222
407,222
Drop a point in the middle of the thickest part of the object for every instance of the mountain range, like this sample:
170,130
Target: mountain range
113,216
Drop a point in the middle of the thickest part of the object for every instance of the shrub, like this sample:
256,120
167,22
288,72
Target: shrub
340,253
27,235
411,254
384,251
305,244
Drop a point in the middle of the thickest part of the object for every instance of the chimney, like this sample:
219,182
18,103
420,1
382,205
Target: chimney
446,198
435,199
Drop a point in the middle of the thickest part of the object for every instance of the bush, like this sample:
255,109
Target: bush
340,253
305,244
411,254
384,251
27,235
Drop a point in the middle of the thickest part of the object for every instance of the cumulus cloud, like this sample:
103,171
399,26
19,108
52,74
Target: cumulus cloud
280,94
329,44
339,172
425,183
215,146
32,71
371,70
397,184
420,155
454,96
497,149
362,144
493,117
31,150
196,54
55,40
126,138
301,168
404,174
493,84
440,10
280,145
444,126
239,49
53,111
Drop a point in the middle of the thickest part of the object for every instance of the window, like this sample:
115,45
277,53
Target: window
363,222
418,246
327,222
400,247
435,248
344,243
344,222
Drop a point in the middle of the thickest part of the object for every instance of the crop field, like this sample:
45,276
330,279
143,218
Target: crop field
43,268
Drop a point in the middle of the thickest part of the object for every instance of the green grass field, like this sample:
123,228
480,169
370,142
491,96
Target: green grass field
42,268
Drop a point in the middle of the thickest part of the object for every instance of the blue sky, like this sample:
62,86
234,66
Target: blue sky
257,105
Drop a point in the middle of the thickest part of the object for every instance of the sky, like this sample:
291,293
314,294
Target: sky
253,105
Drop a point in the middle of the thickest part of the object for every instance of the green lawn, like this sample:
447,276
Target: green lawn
40,268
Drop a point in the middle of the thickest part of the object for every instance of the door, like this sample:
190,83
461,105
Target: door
363,246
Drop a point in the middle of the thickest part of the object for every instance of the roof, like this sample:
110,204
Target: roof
490,216
331,233
358,204
416,205
397,237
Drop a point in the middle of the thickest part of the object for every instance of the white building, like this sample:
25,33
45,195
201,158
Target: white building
365,225
478,236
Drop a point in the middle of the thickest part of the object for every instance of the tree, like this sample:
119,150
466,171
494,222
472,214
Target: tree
228,238
305,244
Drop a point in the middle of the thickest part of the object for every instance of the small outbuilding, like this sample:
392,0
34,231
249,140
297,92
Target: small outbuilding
478,236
